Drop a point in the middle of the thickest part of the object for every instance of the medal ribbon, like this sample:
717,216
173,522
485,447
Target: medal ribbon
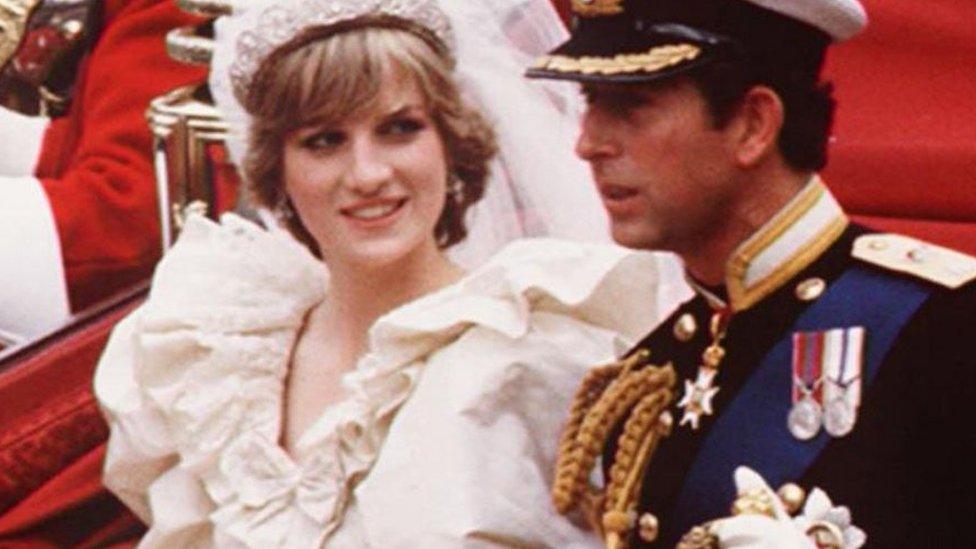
844,373
808,356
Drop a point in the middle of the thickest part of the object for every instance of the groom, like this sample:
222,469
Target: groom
816,351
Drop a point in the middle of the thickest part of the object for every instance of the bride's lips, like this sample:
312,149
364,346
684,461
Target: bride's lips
619,199
373,213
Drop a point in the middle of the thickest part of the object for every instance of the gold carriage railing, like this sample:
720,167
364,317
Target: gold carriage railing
193,172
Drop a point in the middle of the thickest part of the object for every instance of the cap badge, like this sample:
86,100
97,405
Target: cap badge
597,8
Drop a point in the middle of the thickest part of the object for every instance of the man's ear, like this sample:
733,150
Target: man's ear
760,119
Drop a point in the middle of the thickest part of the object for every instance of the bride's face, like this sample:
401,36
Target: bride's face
371,189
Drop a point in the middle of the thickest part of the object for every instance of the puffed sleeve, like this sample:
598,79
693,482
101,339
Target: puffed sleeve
225,305
141,460
470,457
139,446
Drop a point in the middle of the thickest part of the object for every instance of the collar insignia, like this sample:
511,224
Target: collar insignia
786,245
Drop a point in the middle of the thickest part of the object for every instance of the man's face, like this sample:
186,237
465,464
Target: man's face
662,168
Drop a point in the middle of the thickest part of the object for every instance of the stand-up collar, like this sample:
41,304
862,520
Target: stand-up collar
789,242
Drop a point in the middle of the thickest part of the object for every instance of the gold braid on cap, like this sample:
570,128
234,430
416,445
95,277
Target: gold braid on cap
620,392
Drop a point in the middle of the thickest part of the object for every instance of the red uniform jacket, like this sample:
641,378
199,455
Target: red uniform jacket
96,164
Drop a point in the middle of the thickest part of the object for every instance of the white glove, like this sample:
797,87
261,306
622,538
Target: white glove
764,523
766,526
21,145
820,510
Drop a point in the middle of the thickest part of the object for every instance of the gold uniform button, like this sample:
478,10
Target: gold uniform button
810,289
665,422
648,527
685,327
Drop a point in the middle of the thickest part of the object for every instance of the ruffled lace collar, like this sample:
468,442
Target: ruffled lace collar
226,307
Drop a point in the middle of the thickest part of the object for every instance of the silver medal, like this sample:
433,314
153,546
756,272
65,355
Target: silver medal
839,417
805,419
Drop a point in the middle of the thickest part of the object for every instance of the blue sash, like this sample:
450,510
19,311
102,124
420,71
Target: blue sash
752,430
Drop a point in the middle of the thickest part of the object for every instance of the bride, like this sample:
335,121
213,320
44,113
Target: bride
344,382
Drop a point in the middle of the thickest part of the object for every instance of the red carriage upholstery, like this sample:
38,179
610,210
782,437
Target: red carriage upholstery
52,440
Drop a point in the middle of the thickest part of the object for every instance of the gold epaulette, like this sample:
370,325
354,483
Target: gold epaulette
908,255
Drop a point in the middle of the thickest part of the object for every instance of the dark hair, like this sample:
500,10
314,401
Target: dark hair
308,81
808,103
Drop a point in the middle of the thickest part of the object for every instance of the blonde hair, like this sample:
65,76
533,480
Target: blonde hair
327,75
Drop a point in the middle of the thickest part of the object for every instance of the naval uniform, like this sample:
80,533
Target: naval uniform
906,470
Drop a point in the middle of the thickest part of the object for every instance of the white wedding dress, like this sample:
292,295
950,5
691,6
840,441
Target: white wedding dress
448,437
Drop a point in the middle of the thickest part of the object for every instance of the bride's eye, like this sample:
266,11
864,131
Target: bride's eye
328,139
401,126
